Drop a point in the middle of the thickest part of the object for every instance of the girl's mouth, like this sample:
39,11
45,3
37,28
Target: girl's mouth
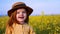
21,17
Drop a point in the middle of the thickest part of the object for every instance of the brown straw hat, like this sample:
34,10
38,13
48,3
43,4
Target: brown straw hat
18,5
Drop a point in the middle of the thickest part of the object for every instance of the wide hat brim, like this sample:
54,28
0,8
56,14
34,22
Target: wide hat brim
29,10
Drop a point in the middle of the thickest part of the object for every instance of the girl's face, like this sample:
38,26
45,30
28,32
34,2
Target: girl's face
21,15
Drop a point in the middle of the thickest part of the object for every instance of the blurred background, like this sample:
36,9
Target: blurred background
45,18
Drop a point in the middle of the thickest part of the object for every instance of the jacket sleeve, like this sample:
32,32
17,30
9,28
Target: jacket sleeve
7,30
31,31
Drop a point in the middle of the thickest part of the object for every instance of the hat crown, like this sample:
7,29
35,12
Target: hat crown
18,3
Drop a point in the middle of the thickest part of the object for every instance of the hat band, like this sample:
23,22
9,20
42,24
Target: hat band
19,5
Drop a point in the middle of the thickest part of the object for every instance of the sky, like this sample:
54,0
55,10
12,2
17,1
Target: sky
47,6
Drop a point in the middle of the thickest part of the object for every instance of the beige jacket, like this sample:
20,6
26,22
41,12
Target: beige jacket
20,29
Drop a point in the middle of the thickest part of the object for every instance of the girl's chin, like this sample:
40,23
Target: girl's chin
20,22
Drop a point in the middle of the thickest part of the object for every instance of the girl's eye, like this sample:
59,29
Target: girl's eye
18,12
24,12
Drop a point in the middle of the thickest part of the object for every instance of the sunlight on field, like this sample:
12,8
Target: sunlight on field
48,24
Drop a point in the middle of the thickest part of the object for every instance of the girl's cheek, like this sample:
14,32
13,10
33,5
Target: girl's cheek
25,16
16,16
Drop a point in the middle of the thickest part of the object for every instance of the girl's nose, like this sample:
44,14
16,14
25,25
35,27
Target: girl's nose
21,13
